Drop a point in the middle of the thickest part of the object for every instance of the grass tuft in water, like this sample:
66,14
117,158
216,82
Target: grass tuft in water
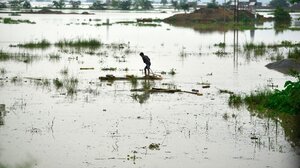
3,71
79,43
172,72
64,71
71,85
295,53
235,100
221,45
43,44
57,83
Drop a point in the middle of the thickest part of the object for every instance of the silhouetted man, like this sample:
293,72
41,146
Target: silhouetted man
146,60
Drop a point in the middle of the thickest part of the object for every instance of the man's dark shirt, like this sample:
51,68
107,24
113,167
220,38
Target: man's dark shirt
146,60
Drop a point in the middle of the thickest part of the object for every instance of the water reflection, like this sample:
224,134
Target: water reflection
235,49
2,114
145,95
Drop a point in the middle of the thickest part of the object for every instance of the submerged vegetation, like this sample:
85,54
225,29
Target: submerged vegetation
79,43
39,44
272,102
13,21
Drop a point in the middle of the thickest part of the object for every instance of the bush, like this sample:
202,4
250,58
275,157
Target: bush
282,16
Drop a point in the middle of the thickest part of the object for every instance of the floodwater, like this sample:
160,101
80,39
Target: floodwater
104,124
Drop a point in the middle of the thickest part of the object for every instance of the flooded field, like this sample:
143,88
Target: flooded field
55,112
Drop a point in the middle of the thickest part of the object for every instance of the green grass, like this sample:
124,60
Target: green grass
3,71
4,56
20,57
12,21
270,102
221,45
64,71
79,43
172,72
235,100
43,44
71,85
295,53
57,83
258,49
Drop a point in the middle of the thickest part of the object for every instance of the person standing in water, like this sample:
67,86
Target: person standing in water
146,60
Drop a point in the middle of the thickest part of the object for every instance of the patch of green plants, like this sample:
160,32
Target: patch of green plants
258,49
3,56
21,57
57,83
55,57
71,85
172,72
33,45
235,100
2,71
295,53
64,71
79,43
12,21
221,45
270,102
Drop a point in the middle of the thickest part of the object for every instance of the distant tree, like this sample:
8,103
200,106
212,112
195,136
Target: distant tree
26,5
143,4
294,1
75,4
164,2
213,4
184,5
281,15
59,4
115,3
227,4
98,5
193,4
125,4
16,4
279,3
175,4
147,5
3,5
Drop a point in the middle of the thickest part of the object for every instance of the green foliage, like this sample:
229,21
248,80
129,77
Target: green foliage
294,1
26,5
235,100
164,2
3,5
79,43
213,4
59,4
175,4
281,16
279,3
125,5
12,21
75,4
143,4
98,5
33,45
221,45
278,101
184,5
16,4
57,83
295,53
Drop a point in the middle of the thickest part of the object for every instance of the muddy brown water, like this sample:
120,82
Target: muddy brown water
103,124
